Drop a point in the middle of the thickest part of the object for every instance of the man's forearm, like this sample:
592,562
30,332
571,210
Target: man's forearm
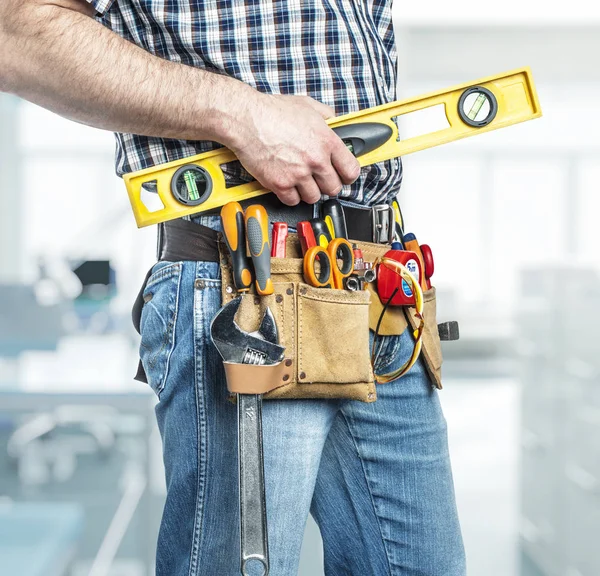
54,55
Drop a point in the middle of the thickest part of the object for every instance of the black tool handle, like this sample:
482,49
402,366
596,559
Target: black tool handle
333,214
321,232
363,137
398,221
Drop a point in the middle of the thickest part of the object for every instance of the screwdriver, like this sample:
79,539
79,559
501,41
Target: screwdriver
321,232
399,221
411,244
232,218
428,263
333,214
306,236
280,233
257,233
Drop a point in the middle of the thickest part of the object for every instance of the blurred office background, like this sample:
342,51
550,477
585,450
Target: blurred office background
511,217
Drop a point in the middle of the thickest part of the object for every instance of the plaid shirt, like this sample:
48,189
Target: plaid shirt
340,52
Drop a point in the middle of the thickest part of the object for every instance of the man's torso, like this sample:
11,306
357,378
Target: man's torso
340,52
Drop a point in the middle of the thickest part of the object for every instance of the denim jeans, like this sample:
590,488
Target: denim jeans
375,477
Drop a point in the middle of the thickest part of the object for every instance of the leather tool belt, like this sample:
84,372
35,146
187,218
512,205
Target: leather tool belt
368,224
325,331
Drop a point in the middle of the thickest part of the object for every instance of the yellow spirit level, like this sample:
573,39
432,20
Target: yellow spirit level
197,183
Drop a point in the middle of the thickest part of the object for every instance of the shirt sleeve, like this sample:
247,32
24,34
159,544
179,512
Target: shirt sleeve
101,6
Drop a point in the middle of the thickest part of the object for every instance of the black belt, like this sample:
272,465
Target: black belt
276,209
365,224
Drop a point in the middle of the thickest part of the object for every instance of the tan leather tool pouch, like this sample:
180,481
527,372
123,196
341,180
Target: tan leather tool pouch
397,318
325,332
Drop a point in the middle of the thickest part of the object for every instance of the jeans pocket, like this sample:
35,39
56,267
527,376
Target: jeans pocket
386,351
158,320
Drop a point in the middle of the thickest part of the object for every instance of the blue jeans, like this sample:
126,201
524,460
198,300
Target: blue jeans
375,477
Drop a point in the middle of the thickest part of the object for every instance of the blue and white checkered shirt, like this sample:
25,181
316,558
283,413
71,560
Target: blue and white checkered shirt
340,52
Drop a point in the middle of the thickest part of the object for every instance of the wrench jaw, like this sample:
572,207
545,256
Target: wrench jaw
241,347
268,328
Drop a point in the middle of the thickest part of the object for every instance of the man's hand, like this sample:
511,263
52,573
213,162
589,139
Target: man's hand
285,143
54,54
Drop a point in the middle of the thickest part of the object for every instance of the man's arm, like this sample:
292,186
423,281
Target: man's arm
54,54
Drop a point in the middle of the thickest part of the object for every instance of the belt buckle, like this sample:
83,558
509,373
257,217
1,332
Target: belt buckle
383,223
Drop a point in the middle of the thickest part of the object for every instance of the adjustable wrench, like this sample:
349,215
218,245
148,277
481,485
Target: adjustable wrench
259,347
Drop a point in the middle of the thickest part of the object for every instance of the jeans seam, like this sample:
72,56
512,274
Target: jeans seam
200,434
153,360
174,336
362,465
162,274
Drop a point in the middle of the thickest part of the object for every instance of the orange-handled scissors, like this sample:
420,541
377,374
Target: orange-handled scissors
327,267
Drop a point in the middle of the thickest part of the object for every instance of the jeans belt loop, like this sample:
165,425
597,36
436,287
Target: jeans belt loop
383,223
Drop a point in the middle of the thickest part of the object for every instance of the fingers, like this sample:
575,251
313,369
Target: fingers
323,109
309,191
333,166
328,181
345,163
290,197
295,153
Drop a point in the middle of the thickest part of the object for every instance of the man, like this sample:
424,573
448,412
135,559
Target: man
178,77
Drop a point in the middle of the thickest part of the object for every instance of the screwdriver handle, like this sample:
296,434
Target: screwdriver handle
257,233
428,263
321,232
280,234
306,236
411,244
428,260
232,217
398,220
333,214
397,213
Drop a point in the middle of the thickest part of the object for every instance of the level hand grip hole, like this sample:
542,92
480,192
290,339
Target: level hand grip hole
150,198
422,122
235,174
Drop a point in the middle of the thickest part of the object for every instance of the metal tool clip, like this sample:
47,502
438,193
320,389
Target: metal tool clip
383,223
